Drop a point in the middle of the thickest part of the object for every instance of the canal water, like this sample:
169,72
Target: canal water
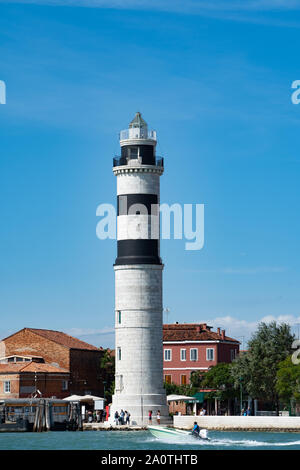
143,440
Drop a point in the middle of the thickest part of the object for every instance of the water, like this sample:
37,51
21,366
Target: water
134,440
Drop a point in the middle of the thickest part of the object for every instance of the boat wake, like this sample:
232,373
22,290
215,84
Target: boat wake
220,442
251,443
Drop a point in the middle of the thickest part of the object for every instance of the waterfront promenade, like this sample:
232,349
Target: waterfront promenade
240,423
216,423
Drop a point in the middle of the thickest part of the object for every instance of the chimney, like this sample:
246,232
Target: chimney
219,331
223,334
204,325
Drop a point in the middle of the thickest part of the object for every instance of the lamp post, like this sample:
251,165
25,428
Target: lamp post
167,310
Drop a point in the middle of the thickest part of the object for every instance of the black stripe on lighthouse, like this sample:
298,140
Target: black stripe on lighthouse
138,252
127,201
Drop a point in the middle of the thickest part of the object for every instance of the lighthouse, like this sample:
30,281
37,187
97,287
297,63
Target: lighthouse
138,277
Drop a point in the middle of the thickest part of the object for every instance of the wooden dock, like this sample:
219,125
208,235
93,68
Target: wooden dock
39,414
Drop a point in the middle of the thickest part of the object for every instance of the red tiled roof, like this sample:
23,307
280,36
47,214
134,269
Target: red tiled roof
192,332
11,367
30,367
62,338
42,367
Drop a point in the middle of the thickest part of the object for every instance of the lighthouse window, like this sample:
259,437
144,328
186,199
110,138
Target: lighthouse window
119,354
168,355
194,354
119,316
133,152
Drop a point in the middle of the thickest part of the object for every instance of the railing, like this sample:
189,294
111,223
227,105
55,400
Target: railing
120,161
137,133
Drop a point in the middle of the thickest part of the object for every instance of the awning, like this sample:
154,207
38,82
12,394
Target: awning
180,398
83,398
200,396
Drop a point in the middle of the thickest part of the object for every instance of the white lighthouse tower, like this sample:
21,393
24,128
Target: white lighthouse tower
138,278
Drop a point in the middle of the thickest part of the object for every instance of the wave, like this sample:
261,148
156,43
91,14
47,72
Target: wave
187,440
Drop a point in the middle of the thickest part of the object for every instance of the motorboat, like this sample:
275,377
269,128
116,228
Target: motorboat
164,432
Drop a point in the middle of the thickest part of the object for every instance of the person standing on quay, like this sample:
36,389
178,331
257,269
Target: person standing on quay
158,417
150,416
127,414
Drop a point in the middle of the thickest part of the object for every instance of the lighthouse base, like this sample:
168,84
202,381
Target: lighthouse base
139,406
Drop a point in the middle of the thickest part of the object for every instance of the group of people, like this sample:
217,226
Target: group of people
96,416
122,418
202,412
150,414
246,412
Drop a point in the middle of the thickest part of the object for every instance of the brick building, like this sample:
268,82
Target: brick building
21,380
194,347
51,361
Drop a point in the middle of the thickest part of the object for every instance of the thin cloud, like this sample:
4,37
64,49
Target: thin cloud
242,330
251,11
254,270
78,332
175,5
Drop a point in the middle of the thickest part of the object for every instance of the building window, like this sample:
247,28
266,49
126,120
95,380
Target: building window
232,354
64,385
168,379
6,386
119,354
119,316
183,379
194,354
183,354
168,354
209,354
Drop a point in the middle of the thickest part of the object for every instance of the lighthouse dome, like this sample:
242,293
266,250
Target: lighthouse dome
138,130
138,121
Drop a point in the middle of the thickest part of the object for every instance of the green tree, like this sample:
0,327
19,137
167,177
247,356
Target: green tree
220,379
197,378
257,368
174,389
108,372
288,381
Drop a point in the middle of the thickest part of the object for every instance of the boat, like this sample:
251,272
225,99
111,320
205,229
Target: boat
164,432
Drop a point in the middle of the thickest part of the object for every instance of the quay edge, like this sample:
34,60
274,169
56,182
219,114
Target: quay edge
240,423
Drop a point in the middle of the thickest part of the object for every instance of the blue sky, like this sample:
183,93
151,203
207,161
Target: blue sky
214,79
